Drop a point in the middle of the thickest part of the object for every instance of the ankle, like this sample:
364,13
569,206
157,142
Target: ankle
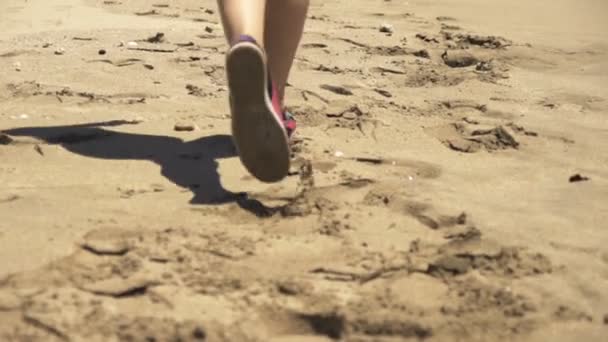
246,37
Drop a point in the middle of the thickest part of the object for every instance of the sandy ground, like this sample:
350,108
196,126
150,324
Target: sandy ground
431,195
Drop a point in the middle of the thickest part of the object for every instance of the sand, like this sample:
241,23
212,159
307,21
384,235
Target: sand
449,180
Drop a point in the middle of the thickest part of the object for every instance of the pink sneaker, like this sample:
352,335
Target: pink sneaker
289,122
258,123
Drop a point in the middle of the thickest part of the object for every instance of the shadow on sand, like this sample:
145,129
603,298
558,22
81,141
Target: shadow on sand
191,165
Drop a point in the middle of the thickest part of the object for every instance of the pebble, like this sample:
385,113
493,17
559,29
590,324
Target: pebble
452,264
484,66
350,115
293,288
102,52
60,51
132,45
17,66
459,59
578,178
386,28
184,127
339,154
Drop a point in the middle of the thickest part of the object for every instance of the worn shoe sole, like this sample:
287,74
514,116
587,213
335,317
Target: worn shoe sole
259,135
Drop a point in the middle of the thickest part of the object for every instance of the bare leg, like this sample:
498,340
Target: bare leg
243,17
275,24
283,31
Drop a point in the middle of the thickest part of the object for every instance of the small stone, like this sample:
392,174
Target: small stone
184,127
484,66
208,29
132,45
383,92
350,115
459,58
451,264
60,52
17,66
102,52
422,54
386,28
578,178
293,288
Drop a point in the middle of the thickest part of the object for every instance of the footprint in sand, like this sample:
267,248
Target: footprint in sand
462,138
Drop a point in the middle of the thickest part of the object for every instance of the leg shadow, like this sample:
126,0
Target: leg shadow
191,165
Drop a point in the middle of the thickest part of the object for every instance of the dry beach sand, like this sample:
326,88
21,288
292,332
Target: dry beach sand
449,182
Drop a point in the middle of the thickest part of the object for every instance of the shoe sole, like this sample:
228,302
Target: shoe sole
258,134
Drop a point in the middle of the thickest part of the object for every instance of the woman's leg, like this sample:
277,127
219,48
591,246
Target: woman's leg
275,24
243,17
258,129
283,30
